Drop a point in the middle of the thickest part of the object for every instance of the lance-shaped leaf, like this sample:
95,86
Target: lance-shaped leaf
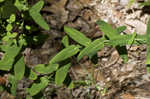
64,54
107,29
37,7
77,36
148,43
123,40
35,14
37,87
92,48
41,68
19,68
61,74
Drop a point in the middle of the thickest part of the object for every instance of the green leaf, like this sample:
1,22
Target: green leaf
27,27
121,29
39,20
9,27
65,41
32,75
123,40
61,74
92,48
21,5
130,42
10,53
13,83
41,68
35,14
38,6
1,1
107,29
148,43
37,87
19,68
5,47
65,53
77,36
71,85
12,18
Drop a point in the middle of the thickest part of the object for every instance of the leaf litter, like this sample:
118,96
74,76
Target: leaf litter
112,77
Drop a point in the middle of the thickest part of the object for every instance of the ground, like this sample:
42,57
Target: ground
113,79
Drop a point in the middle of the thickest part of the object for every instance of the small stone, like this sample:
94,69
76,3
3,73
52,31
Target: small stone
124,2
137,24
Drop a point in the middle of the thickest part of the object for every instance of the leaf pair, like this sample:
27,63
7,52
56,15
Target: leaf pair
114,39
61,73
91,48
66,53
37,87
123,40
41,68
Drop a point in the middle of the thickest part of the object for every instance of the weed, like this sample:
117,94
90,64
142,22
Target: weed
14,40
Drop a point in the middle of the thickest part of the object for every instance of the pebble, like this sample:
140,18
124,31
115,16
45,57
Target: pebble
124,2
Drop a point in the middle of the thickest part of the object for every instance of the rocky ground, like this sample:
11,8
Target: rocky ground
112,78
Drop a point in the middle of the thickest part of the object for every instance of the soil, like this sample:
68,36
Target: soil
113,79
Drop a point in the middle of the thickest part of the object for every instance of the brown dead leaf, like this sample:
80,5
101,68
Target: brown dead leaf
3,80
98,75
